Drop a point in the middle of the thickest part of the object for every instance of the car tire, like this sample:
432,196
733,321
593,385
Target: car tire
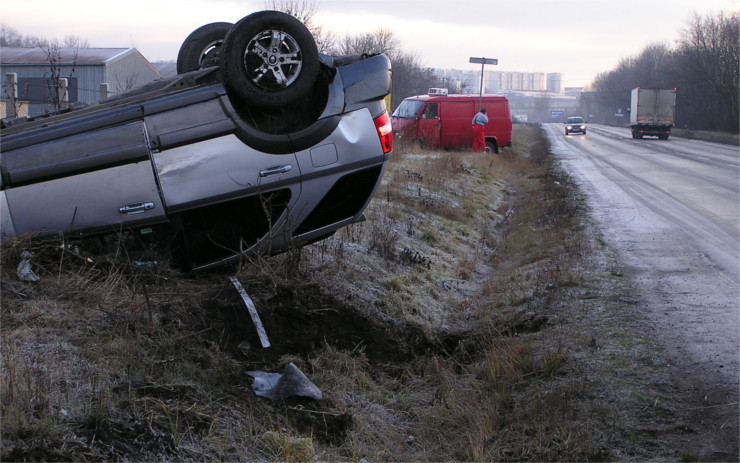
269,78
491,147
202,47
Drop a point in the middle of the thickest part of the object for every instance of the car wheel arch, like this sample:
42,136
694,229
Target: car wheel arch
280,143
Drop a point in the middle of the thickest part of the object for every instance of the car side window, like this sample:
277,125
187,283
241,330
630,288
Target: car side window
431,111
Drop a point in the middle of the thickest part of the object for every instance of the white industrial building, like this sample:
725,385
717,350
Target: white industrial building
90,74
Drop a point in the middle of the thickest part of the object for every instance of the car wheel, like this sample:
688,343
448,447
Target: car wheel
566,132
269,60
202,47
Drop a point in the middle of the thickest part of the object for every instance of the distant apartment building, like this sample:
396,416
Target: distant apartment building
555,82
502,81
495,82
533,96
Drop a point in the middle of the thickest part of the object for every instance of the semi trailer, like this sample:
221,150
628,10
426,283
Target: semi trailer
652,112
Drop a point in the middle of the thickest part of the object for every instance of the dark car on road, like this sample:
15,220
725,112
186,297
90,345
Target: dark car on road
259,144
575,124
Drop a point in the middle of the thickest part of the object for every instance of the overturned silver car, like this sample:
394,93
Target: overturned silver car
259,144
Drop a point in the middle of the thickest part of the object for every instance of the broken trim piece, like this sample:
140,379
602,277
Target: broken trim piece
252,312
279,386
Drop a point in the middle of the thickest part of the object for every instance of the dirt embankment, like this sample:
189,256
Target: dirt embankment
476,315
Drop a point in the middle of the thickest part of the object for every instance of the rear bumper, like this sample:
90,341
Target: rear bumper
652,129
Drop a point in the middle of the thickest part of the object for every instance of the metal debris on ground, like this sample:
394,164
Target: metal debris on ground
252,312
291,382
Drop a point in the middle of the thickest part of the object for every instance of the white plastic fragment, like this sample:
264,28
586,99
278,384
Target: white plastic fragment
24,271
252,312
291,382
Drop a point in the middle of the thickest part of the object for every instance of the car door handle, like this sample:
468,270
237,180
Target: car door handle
274,170
135,208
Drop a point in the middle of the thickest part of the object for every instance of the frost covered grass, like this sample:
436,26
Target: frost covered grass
429,328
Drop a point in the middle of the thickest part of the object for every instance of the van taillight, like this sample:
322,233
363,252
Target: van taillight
385,132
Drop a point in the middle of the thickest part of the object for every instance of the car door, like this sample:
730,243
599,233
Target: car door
220,169
93,181
429,125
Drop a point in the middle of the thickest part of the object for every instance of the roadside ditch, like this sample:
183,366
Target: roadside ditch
475,316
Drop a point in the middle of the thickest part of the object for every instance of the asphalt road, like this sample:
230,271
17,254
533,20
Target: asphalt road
671,210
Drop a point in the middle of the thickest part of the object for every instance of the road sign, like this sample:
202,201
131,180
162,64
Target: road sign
483,60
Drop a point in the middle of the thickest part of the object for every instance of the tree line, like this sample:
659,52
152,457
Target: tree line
410,77
10,37
703,66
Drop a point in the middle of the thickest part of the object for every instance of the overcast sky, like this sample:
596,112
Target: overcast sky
578,38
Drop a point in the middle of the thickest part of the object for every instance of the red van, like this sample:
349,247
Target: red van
439,120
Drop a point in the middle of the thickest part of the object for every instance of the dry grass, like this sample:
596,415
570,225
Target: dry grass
479,241
425,327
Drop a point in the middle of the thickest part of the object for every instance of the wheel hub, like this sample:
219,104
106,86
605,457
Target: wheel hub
273,60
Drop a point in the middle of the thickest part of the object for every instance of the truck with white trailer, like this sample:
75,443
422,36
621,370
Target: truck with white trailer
652,112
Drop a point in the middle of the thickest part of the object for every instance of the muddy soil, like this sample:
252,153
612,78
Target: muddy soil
300,320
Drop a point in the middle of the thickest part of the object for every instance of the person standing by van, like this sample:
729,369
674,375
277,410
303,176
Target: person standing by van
479,122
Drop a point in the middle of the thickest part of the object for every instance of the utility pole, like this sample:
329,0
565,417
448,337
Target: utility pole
11,90
483,62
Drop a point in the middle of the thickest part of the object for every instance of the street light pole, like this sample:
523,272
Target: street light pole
483,62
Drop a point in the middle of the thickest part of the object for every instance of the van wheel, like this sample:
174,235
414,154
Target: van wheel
269,60
491,147
202,47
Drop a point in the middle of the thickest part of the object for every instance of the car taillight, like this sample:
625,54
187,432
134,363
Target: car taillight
385,132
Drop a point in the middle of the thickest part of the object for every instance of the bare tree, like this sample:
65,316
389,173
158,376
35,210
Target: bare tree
709,58
704,67
410,77
654,66
304,11
74,41
380,41
10,37
127,82
58,92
